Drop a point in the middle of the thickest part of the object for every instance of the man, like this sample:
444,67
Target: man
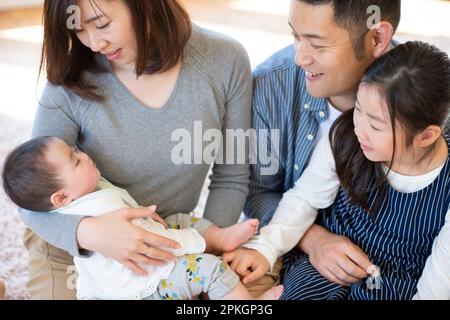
300,91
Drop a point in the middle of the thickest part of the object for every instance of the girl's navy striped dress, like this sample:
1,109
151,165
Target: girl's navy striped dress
398,240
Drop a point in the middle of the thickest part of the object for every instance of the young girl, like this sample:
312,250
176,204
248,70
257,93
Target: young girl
46,174
385,171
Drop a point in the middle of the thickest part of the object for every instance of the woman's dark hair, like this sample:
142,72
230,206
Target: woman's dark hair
28,178
162,29
415,80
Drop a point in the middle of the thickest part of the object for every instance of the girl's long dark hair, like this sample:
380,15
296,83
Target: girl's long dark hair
415,80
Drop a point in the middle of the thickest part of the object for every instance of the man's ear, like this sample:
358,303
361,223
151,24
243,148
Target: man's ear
60,199
380,38
428,136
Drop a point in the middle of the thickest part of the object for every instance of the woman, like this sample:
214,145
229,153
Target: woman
120,83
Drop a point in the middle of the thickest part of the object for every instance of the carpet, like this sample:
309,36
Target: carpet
13,255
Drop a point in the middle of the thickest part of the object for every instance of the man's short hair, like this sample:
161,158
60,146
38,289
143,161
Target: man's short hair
352,15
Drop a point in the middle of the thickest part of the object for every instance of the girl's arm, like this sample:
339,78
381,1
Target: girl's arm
315,189
54,117
435,280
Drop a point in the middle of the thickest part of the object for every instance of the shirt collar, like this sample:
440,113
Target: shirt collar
317,106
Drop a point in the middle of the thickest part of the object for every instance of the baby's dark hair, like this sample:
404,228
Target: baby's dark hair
28,178
415,80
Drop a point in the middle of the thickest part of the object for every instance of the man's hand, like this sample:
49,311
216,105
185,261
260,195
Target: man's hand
247,263
335,257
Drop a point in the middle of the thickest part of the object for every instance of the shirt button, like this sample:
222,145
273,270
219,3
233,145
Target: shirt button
296,168
306,106
310,137
322,114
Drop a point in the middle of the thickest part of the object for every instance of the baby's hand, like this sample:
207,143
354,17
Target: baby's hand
249,264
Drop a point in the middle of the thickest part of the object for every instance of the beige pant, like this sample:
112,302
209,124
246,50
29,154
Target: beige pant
51,272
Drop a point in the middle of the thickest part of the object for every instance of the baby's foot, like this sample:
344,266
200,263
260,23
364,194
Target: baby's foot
272,294
232,237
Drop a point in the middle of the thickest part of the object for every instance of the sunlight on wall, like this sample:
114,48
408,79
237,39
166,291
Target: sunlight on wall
259,25
259,44
19,101
274,7
32,34
425,18
19,62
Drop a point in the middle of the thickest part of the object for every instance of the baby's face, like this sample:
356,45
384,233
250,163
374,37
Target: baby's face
76,170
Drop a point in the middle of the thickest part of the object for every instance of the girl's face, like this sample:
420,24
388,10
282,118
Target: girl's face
373,126
106,27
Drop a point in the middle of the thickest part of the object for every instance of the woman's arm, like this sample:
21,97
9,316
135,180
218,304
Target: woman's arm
229,182
54,117
435,280
113,235
44,224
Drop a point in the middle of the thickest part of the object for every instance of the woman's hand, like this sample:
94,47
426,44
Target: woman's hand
156,217
114,236
335,257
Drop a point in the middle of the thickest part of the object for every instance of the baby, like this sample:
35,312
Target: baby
45,174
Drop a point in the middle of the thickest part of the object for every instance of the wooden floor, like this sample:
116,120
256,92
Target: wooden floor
20,18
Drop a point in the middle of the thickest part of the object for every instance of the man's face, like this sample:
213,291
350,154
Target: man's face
325,51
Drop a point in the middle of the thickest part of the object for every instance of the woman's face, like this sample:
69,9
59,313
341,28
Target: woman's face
106,27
